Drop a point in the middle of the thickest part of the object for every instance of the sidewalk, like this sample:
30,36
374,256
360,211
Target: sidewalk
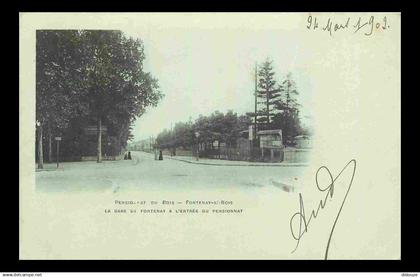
216,162
48,167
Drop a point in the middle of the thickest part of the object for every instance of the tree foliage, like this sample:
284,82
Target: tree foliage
218,126
278,108
268,94
86,76
287,118
58,78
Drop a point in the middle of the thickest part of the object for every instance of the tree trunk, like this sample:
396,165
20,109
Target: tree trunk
99,157
40,151
285,129
49,145
268,110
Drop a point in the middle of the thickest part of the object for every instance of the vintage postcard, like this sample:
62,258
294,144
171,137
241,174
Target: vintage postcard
212,136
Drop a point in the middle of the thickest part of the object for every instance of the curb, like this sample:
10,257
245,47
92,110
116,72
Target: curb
265,164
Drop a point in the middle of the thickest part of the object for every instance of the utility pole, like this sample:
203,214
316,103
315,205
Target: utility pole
285,133
255,94
172,140
175,142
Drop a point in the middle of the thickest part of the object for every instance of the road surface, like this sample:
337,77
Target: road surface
145,173
67,213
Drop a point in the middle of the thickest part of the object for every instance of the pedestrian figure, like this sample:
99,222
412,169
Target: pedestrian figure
129,155
160,155
125,156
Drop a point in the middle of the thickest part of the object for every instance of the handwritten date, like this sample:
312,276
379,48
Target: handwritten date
357,25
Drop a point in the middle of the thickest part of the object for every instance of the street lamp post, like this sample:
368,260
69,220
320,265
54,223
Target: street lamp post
197,135
58,139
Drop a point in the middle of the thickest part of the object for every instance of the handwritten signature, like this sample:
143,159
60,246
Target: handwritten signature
329,189
332,26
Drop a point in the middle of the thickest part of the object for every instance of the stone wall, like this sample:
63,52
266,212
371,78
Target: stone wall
296,155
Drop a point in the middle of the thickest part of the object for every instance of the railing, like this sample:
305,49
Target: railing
244,154
253,154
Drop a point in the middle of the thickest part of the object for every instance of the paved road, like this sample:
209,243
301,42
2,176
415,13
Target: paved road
143,172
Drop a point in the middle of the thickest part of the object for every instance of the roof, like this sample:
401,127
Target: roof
269,132
303,136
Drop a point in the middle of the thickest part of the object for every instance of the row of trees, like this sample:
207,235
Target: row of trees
277,106
221,127
85,76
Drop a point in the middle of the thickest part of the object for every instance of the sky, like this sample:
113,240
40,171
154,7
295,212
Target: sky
206,63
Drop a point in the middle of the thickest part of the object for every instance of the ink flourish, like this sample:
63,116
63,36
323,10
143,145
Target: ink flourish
303,221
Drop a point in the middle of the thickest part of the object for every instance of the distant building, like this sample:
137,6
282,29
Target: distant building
303,141
271,145
271,138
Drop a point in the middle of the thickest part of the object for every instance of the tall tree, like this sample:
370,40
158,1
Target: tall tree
268,94
288,119
91,74
117,86
58,84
